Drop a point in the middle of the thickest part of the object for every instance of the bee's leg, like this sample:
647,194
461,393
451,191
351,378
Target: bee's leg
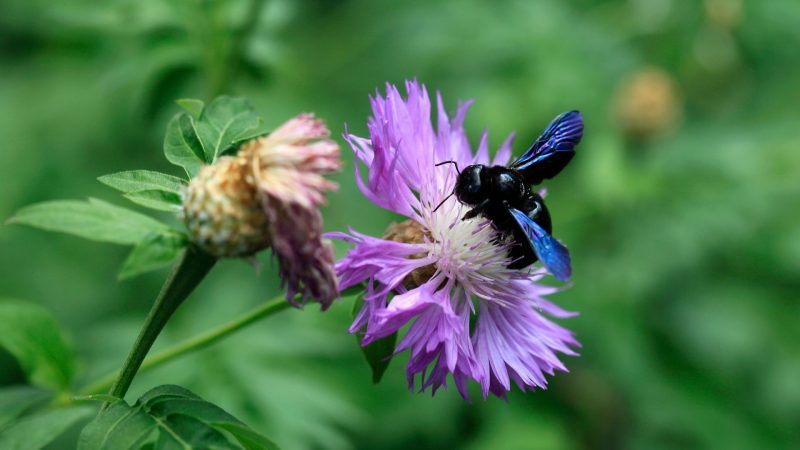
476,211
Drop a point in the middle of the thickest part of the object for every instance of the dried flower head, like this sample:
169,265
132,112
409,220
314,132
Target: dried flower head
269,195
473,317
219,213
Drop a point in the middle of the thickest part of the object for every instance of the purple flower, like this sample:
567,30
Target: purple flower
471,316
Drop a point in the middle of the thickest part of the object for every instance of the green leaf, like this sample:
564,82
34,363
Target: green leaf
182,146
152,253
34,338
15,400
200,135
379,353
118,426
156,199
192,105
143,180
226,121
249,439
186,432
168,417
35,431
94,219
147,188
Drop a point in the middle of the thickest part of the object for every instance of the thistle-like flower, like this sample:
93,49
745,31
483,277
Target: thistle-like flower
268,195
473,317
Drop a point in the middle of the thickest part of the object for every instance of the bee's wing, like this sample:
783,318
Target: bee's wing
553,255
552,150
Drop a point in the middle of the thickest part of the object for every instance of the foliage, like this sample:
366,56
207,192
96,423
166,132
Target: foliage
379,353
194,138
37,430
147,188
169,417
93,219
201,134
32,336
684,242
165,417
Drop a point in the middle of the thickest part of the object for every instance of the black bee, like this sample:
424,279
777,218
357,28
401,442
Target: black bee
503,195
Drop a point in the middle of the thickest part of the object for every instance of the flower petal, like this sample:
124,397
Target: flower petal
400,310
306,260
439,336
514,342
387,262
503,155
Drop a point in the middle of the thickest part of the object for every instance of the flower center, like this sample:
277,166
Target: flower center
411,232
467,250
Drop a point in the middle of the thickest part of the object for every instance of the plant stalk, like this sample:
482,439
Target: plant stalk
197,342
193,265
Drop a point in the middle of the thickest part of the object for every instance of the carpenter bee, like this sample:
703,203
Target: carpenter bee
503,195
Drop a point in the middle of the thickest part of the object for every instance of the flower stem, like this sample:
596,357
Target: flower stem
193,265
198,342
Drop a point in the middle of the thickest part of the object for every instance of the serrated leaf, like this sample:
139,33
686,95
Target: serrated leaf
156,199
192,105
379,353
15,400
33,337
143,180
36,431
182,146
94,219
166,417
152,253
225,122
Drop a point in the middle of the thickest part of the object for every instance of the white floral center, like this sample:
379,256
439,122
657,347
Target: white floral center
467,251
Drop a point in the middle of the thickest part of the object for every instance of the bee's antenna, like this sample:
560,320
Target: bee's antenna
449,162
454,191
442,202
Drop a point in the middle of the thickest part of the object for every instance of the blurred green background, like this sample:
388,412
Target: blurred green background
681,209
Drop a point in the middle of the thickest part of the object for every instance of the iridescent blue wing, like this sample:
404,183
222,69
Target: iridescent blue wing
550,252
553,150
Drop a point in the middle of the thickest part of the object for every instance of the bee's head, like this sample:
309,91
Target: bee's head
472,185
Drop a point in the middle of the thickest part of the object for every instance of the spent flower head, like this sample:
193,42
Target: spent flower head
269,195
471,315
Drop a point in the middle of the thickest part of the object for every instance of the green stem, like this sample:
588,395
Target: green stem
198,342
193,265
